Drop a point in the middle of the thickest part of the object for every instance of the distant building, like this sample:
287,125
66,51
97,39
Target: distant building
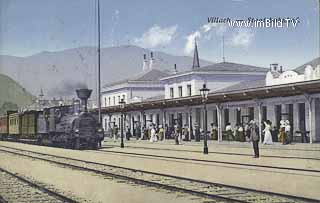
276,76
238,93
137,88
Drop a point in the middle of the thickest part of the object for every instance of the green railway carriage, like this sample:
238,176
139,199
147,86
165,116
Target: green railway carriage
14,124
29,124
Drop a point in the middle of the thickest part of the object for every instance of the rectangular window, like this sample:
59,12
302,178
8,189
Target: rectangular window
118,99
124,97
188,90
105,101
114,100
109,101
180,91
171,92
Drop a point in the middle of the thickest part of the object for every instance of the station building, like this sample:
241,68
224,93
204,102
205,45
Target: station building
238,93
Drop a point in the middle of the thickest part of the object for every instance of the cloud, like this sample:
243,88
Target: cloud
190,41
156,36
204,33
242,38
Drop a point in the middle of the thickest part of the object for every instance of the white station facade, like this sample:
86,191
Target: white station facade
238,94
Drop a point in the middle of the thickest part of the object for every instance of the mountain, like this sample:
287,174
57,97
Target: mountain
60,73
12,94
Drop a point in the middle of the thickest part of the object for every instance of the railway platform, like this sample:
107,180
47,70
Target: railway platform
292,170
289,169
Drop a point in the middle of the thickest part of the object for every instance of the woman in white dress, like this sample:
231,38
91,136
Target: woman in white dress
153,137
267,133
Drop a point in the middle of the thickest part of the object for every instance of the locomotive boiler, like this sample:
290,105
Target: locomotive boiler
71,126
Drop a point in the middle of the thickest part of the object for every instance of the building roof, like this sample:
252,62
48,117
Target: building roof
224,67
151,75
232,67
313,63
244,85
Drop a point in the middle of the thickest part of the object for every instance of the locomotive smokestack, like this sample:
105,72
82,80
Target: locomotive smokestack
84,95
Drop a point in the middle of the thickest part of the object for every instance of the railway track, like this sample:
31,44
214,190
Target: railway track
215,152
214,191
212,161
15,188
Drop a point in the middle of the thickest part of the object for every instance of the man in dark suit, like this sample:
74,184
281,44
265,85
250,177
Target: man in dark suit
254,131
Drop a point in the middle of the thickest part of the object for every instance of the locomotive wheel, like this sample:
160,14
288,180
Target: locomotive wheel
77,144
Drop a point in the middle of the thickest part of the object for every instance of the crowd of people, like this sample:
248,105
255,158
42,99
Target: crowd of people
240,132
248,132
270,134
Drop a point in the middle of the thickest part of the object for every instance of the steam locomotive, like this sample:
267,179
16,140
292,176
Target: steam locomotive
70,126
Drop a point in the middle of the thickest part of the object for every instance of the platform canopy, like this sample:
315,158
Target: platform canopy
285,90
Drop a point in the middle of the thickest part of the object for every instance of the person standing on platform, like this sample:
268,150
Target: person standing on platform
214,132
287,130
242,137
185,133
153,137
161,132
254,132
267,133
115,133
128,133
282,133
229,132
143,133
176,134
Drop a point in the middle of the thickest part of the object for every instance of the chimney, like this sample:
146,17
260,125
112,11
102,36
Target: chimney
84,95
145,63
151,61
274,67
175,69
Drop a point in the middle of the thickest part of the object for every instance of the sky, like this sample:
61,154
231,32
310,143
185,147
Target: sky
32,26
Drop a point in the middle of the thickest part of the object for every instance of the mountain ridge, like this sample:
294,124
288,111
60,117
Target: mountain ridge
59,73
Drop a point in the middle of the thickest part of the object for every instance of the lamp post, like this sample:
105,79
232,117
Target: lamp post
122,104
204,94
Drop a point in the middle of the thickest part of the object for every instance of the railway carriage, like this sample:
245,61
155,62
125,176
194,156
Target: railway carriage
3,127
14,127
29,124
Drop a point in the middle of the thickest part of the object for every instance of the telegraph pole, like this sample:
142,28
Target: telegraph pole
99,69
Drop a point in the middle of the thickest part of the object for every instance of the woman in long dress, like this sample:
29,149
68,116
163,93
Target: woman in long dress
267,133
153,137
